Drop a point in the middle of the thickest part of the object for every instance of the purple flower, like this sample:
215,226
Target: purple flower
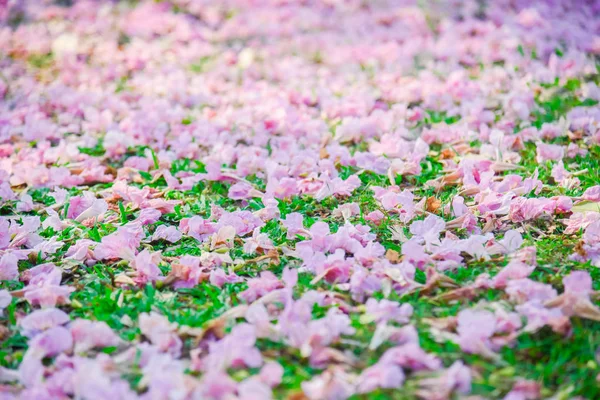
9,269
5,299
428,230
385,310
88,335
121,244
161,333
146,266
168,233
380,375
475,329
235,350
260,286
42,320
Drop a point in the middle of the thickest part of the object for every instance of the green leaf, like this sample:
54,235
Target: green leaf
123,213
586,206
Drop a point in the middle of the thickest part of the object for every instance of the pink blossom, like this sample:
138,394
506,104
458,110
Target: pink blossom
44,287
428,230
411,356
293,222
85,207
168,233
121,244
375,217
197,227
236,350
385,310
42,320
331,385
380,376
161,333
549,152
92,334
475,328
146,266
346,210
5,299
271,373
9,269
260,286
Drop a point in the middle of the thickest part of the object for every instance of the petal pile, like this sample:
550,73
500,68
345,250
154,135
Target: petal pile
317,199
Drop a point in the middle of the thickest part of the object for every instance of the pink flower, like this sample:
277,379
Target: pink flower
88,335
148,216
333,384
85,207
258,241
4,233
475,328
121,244
410,355
252,388
346,211
42,320
197,227
258,287
549,152
9,269
375,217
337,186
293,222
242,191
514,270
146,266
5,299
592,193
457,378
428,230
223,239
382,376
271,373
161,333
166,232
524,390
216,385
51,342
235,350
385,310
25,203
44,287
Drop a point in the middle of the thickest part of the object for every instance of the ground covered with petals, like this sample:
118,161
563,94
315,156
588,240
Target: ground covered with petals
318,199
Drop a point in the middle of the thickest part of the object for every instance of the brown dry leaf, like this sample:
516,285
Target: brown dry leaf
4,333
466,293
297,396
273,254
575,135
585,309
436,280
579,249
432,204
444,324
580,307
323,153
447,153
124,280
500,166
393,256
217,326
